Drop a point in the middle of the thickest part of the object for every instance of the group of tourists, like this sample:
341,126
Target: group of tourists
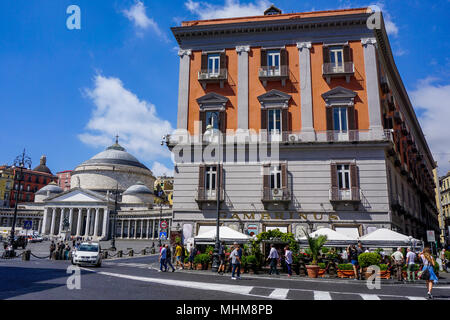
165,257
59,250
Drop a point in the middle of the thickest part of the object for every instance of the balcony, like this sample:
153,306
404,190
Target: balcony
345,196
207,197
332,70
276,197
205,77
273,73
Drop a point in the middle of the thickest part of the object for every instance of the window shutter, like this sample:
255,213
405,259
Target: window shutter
329,114
351,118
284,175
283,57
201,181
203,120
266,181
347,56
354,176
204,65
334,181
285,119
326,54
263,58
222,121
263,119
223,61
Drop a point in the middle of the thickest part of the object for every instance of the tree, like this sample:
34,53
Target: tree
315,245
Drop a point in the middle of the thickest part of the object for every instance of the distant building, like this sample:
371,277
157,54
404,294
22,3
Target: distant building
443,204
6,184
64,179
164,190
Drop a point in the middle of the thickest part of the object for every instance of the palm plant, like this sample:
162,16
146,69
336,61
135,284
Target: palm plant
315,245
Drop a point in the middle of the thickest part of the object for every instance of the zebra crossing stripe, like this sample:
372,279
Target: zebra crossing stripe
369,296
322,295
279,294
416,298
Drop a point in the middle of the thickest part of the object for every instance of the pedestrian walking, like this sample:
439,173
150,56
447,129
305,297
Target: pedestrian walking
162,259
428,270
236,262
221,269
359,251
353,256
410,262
169,257
273,258
288,260
184,253
178,256
398,258
52,248
192,254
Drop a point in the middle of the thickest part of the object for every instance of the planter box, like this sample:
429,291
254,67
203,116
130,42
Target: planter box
346,274
199,266
321,272
313,271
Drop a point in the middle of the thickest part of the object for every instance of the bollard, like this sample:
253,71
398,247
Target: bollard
143,252
119,253
153,251
131,253
26,255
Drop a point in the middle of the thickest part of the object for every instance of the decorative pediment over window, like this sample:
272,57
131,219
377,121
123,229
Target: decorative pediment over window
274,99
212,101
339,96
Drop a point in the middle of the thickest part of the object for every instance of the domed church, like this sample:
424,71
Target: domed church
88,209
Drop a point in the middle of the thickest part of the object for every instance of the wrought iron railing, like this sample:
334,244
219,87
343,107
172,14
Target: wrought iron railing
206,74
352,194
331,68
274,72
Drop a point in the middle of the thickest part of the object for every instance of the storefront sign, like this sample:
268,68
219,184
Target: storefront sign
252,229
430,236
279,216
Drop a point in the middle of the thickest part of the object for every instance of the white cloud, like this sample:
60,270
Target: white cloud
159,169
230,9
433,103
391,27
119,111
138,16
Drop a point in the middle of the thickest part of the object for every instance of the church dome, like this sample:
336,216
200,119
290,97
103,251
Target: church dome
115,154
42,167
49,190
138,188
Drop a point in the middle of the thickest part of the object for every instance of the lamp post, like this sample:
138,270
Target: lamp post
113,237
216,262
160,218
20,162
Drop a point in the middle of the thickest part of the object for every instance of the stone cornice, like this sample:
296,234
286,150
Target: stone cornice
184,52
304,45
240,49
367,41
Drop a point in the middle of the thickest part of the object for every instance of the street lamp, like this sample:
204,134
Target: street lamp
216,262
160,217
20,162
113,238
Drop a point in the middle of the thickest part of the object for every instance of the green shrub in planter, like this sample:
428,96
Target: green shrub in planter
321,265
345,266
325,250
204,258
368,259
198,259
243,260
186,260
252,260
383,267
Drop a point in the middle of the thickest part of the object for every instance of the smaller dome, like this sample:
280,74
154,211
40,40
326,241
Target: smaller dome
138,188
52,187
42,167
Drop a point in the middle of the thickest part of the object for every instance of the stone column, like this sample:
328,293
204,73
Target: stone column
61,218
121,222
88,221
373,96
129,228
242,89
70,220
135,228
44,221
80,215
96,222
39,226
105,223
183,88
148,228
304,54
52,227
142,227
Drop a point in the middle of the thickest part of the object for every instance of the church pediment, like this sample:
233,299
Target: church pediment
274,98
77,195
339,96
213,100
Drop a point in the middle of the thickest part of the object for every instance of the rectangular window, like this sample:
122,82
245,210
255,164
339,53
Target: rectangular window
213,63
212,118
340,119
273,62
337,59
343,171
274,120
275,177
210,179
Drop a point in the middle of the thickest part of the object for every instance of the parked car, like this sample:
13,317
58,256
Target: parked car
88,253
20,241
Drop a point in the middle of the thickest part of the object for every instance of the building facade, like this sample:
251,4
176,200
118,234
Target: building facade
443,204
323,89
6,185
64,179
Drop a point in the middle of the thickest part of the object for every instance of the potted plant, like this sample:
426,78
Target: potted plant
244,264
205,259
384,272
198,261
345,270
368,259
186,263
296,263
315,245
252,263
322,269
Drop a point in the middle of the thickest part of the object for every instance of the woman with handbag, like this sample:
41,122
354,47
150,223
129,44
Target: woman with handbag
428,270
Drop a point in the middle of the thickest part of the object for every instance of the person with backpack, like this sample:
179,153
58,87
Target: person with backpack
428,270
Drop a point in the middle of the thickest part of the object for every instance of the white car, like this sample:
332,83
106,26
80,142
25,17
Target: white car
88,253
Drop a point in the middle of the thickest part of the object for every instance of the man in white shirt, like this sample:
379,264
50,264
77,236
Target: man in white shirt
236,262
410,261
398,262
273,258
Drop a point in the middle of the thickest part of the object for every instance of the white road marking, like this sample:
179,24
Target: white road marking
369,296
416,298
279,294
322,295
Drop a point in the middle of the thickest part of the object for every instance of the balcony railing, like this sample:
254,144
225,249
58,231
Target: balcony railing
276,196
331,69
206,76
273,73
345,195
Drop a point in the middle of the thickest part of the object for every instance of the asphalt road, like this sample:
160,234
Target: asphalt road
138,278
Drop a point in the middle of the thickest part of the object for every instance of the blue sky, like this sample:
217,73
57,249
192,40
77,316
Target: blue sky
65,93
